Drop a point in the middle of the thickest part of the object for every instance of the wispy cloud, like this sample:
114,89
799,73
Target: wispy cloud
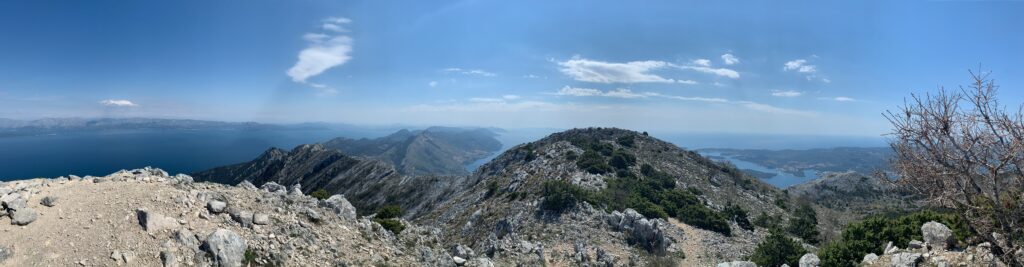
716,71
486,105
324,51
118,103
787,93
629,94
701,62
799,65
432,83
511,97
335,24
470,72
844,99
729,59
586,70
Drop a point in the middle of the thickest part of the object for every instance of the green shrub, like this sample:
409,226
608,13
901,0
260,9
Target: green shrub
393,225
560,196
389,211
767,221
593,162
621,160
778,249
492,188
571,155
738,215
320,194
249,258
625,140
804,224
871,235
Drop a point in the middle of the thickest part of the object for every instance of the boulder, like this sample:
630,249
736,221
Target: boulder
153,222
49,201
869,259
462,251
216,206
810,260
737,264
247,185
261,219
340,206
936,235
890,249
23,216
243,217
459,261
226,247
915,244
13,201
647,233
905,259
168,259
273,187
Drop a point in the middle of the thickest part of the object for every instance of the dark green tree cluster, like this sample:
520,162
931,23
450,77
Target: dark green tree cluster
320,194
778,249
386,217
654,195
871,235
804,224
739,215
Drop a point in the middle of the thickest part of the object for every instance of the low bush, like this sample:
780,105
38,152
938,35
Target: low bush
393,225
621,160
560,196
389,211
804,224
738,215
320,194
778,249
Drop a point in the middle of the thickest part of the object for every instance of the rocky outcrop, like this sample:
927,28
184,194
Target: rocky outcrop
368,183
935,251
809,260
936,235
146,217
647,233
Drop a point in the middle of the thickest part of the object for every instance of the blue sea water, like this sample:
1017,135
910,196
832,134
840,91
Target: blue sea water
176,151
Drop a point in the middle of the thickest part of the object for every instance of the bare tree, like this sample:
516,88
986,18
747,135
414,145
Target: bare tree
963,150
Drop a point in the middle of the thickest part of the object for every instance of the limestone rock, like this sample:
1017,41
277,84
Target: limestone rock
870,258
340,206
261,219
216,206
936,235
153,222
905,259
49,201
23,216
810,260
227,248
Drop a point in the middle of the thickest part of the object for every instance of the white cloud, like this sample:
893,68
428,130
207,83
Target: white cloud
323,52
335,24
587,70
491,106
510,97
719,71
470,72
118,103
628,94
432,83
799,65
787,93
843,99
729,59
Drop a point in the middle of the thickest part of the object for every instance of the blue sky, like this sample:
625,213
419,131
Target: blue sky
781,67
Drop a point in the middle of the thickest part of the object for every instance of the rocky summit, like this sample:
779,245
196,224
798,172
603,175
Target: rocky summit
146,217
